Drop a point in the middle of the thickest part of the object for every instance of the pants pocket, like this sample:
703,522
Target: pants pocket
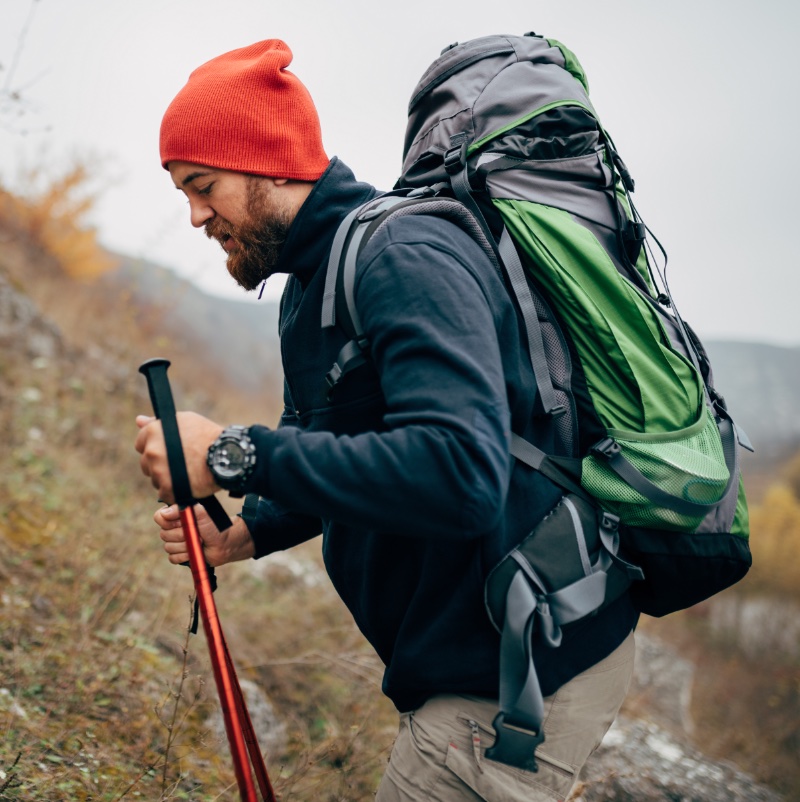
496,782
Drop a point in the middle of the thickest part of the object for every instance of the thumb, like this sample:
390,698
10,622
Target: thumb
143,420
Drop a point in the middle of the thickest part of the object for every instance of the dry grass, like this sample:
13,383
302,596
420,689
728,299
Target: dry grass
101,696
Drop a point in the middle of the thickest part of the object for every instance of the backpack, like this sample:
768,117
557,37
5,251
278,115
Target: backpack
503,140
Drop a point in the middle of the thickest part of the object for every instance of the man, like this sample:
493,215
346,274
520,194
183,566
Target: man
406,471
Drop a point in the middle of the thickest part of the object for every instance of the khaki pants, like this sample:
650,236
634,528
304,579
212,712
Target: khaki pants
439,752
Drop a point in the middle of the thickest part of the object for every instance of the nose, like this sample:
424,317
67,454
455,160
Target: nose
200,213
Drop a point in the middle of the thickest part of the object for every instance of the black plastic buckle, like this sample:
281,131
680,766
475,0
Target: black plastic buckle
334,376
455,159
634,231
609,521
606,448
515,746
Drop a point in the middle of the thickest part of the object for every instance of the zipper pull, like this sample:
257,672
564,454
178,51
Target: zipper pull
476,744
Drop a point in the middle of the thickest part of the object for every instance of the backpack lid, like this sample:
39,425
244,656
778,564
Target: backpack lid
483,88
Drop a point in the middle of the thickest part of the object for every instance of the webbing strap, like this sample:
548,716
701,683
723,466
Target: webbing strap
455,162
516,275
518,725
350,357
343,258
537,459
349,276
348,269
329,296
610,452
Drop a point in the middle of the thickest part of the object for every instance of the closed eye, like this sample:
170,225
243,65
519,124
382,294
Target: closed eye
206,190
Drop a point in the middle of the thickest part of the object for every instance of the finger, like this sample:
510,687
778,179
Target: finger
175,548
168,517
180,558
144,432
173,535
144,464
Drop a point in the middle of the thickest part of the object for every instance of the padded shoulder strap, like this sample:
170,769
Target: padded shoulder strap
354,233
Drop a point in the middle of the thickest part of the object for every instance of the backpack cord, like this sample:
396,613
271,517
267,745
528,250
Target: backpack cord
662,274
628,185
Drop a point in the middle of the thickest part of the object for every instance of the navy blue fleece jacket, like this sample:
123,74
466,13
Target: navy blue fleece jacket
406,472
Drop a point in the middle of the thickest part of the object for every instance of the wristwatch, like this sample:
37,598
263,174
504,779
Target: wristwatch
232,459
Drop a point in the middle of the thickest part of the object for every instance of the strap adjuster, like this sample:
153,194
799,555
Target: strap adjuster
607,448
455,159
609,521
334,376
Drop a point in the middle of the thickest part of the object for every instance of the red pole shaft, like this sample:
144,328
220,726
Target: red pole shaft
226,682
259,768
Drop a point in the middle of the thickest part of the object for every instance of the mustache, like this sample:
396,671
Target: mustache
218,229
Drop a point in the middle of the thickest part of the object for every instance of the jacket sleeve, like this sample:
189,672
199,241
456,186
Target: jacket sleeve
441,467
274,528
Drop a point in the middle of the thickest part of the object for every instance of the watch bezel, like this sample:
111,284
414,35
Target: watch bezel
234,479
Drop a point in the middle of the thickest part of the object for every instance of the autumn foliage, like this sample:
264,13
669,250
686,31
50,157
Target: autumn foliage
775,541
52,211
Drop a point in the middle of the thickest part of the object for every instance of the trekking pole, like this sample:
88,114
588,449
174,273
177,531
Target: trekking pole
238,725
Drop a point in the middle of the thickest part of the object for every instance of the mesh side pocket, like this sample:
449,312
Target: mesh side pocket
688,464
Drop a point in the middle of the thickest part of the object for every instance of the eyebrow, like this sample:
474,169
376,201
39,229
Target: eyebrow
191,177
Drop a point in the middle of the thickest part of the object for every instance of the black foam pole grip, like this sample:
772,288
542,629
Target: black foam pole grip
155,371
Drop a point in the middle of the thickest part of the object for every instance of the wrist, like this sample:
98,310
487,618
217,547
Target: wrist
243,547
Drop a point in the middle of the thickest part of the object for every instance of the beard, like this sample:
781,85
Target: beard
259,239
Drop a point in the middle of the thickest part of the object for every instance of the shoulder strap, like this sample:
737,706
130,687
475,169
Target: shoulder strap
354,233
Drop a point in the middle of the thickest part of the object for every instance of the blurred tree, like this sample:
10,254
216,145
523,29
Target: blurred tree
52,212
791,474
775,542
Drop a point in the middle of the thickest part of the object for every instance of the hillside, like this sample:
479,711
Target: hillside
103,696
241,336
760,382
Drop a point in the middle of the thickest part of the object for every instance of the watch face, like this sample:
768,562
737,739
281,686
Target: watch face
229,461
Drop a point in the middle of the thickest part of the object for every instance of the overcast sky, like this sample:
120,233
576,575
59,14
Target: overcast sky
699,95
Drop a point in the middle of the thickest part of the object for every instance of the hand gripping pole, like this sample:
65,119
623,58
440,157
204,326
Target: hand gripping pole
238,726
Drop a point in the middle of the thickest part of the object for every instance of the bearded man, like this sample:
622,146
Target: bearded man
406,470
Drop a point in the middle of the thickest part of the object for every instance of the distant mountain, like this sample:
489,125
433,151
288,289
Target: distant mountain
761,383
239,335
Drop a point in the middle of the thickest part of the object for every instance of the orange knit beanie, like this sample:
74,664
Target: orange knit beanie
245,111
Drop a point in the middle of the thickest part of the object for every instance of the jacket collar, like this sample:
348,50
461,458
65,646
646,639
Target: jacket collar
311,234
